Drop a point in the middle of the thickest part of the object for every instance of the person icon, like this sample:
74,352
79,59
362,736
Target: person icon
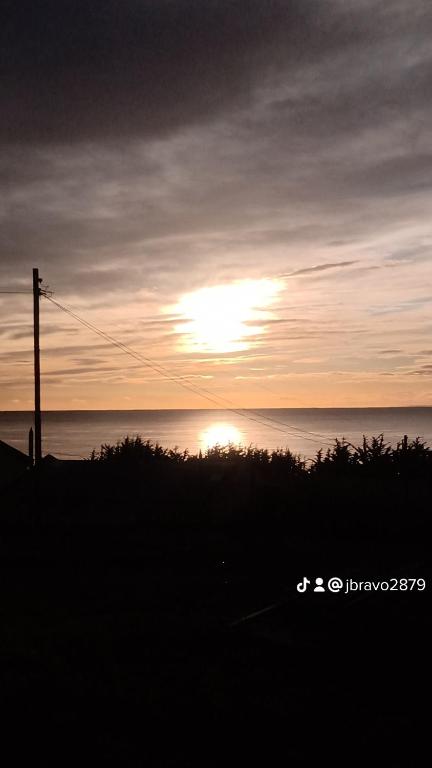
319,585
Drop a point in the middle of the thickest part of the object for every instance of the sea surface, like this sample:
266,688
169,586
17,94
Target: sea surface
74,434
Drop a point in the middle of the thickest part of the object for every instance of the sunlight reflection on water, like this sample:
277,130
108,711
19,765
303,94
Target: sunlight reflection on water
78,432
219,434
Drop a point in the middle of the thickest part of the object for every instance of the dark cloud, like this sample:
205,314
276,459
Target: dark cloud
84,369
393,176
16,355
80,69
369,93
17,331
425,370
319,268
269,178
403,255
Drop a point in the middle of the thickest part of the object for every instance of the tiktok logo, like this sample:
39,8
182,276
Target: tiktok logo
302,585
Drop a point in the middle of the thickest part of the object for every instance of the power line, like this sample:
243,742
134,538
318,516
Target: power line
278,421
155,367
245,411
190,387
201,391
124,348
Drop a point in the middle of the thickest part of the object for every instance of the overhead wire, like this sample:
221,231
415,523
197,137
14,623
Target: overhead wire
190,387
201,391
277,421
155,367
215,399
246,411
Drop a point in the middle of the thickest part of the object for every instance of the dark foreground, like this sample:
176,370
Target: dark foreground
125,597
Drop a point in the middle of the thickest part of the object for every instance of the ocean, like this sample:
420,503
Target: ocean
74,434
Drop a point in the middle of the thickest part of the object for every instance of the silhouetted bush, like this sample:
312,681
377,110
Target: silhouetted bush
135,451
373,454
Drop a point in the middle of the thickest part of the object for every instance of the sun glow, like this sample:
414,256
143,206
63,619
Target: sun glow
220,434
226,318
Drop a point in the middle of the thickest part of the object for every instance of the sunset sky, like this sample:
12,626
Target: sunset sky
240,190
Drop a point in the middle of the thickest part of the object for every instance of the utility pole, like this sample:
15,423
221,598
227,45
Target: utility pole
31,446
37,404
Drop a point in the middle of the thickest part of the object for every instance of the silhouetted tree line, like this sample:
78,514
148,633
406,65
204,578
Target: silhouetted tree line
374,455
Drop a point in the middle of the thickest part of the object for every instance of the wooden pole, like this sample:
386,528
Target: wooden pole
37,404
31,446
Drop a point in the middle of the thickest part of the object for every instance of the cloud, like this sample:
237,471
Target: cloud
406,255
425,370
152,148
319,268
78,70
84,71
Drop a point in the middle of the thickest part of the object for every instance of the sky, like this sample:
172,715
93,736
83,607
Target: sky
239,190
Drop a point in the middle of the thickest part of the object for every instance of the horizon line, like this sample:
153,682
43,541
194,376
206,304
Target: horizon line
224,410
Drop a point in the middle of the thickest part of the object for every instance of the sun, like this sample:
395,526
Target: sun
220,434
226,318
